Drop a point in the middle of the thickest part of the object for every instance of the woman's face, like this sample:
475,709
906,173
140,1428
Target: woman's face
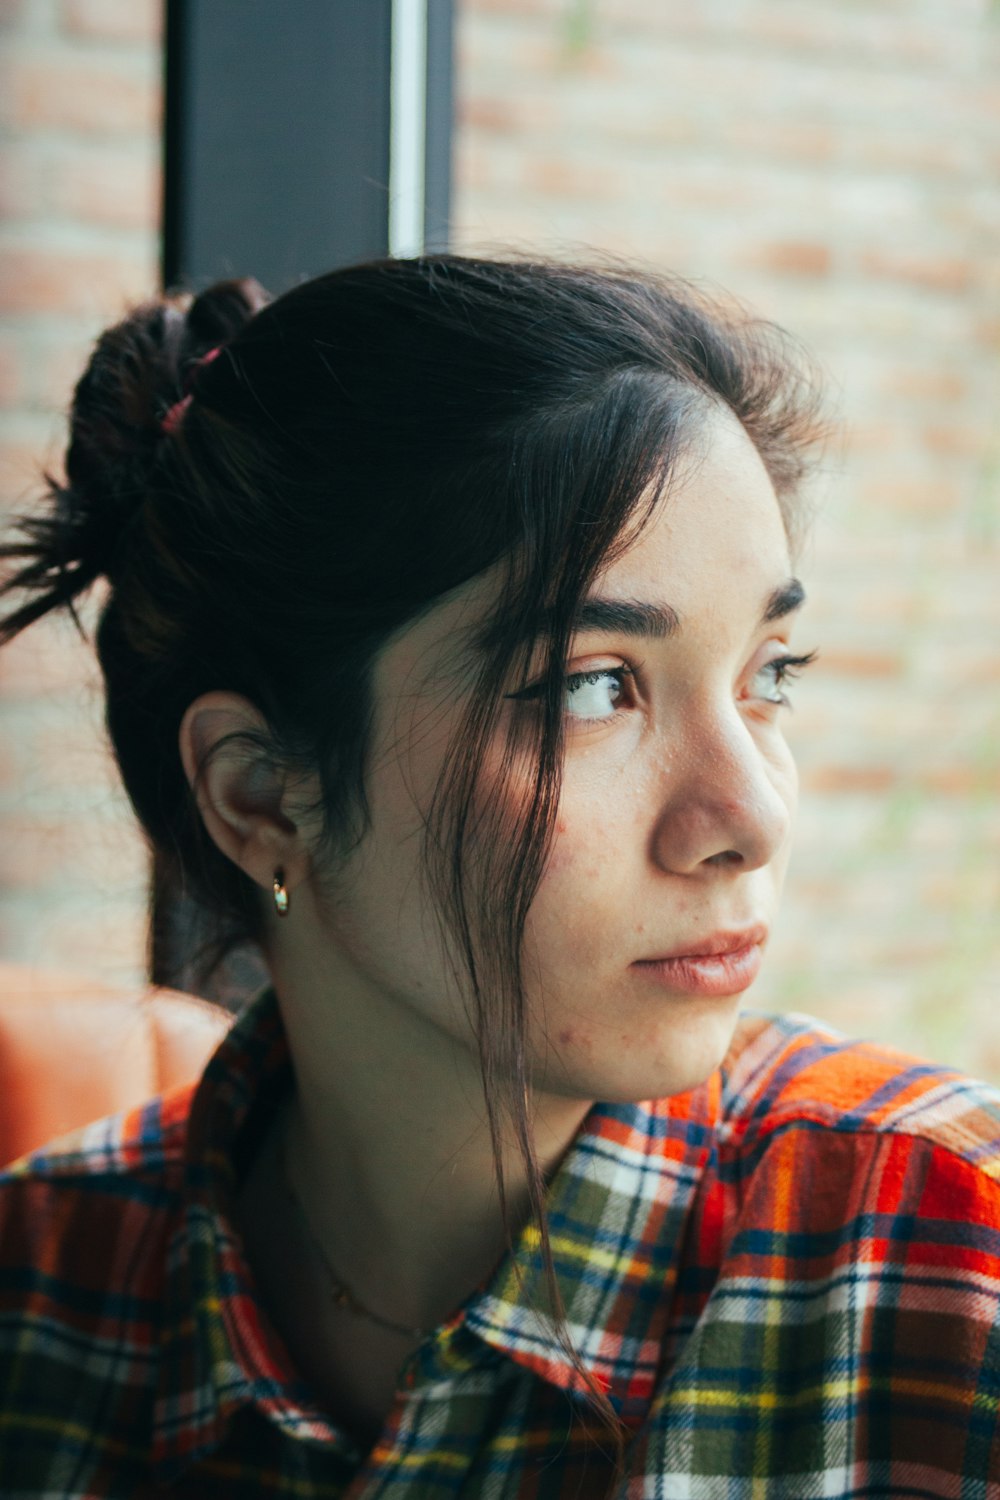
676,808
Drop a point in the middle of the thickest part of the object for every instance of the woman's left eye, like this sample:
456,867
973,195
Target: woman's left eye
779,670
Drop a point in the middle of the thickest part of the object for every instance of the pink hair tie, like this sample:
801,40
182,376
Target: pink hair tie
175,416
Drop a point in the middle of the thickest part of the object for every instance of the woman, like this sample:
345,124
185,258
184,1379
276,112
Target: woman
447,651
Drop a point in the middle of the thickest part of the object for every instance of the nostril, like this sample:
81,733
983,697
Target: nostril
725,857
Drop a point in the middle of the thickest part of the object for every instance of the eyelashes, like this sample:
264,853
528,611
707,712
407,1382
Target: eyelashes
786,669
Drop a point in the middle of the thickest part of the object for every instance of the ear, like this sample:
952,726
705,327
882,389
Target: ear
241,794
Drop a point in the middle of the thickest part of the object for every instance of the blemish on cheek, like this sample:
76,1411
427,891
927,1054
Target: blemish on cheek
559,859
565,1037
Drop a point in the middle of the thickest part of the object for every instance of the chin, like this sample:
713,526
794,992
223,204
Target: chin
686,1047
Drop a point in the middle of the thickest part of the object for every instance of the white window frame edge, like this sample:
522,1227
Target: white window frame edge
407,127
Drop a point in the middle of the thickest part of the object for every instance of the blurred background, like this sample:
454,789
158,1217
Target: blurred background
835,166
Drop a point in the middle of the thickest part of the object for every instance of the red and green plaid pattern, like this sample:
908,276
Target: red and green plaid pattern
787,1282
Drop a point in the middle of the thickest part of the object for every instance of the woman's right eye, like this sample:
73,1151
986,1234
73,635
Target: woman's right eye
593,696
588,697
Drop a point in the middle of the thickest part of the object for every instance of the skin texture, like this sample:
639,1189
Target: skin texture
674,822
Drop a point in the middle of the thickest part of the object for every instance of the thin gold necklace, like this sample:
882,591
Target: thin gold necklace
340,1292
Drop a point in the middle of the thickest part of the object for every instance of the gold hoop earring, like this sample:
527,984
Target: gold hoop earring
282,900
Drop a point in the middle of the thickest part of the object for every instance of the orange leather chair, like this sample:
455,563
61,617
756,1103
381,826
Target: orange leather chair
72,1050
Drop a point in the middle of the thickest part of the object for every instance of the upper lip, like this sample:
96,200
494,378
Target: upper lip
716,942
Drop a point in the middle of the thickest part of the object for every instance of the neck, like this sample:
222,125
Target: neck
388,1143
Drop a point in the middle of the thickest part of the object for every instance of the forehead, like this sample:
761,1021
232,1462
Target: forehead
713,546
716,530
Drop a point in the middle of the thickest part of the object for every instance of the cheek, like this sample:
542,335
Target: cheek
584,894
785,778
585,852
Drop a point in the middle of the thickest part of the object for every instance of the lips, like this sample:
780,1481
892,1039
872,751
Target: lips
721,964
715,943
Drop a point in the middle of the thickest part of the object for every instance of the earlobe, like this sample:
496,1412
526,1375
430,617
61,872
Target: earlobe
239,789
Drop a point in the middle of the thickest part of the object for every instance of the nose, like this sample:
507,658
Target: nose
725,801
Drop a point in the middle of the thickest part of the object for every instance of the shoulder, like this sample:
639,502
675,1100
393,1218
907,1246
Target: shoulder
86,1225
791,1072
68,1207
839,1308
147,1141
834,1155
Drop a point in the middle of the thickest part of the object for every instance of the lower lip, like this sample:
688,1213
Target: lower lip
706,973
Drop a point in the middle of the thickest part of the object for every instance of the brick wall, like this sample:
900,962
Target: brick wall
79,160
834,164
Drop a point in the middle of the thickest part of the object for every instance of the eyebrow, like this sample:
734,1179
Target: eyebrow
786,599
627,617
633,617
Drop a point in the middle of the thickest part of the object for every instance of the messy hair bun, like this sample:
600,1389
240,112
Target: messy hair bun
138,370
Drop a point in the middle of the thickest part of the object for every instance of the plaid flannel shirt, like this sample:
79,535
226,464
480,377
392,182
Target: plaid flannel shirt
787,1282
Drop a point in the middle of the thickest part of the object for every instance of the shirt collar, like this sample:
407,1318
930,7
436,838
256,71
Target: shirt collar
617,1212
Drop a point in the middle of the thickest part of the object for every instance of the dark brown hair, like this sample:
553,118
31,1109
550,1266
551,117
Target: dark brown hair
363,445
